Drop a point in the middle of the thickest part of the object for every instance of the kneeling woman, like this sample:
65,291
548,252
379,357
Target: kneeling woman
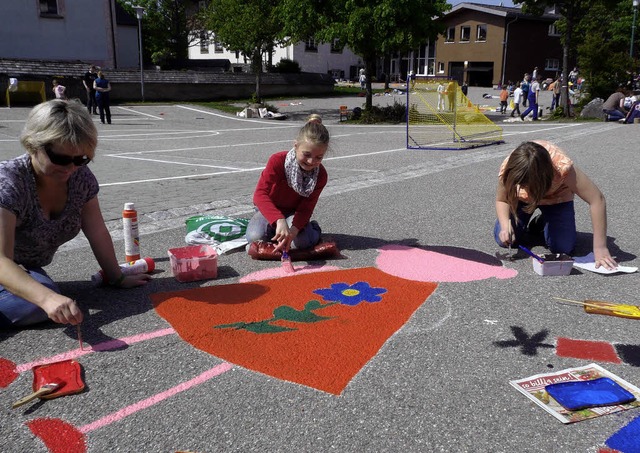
538,174
288,190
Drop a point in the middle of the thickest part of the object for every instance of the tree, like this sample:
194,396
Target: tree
252,27
573,11
166,32
370,28
605,32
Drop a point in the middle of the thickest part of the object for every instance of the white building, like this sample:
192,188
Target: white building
310,55
96,31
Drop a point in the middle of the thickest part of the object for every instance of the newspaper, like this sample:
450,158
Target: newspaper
534,388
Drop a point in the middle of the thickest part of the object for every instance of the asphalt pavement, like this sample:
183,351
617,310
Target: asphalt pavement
440,384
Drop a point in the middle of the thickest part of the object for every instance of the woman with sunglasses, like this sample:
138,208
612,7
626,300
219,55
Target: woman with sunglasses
47,196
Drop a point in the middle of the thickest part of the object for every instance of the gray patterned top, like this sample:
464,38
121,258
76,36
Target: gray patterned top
38,238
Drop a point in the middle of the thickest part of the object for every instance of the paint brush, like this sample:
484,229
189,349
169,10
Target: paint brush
286,263
79,336
44,390
606,308
531,254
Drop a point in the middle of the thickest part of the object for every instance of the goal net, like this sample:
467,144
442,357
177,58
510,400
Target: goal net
440,116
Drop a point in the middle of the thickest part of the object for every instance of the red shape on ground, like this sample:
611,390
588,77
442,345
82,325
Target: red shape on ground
324,353
58,435
8,372
600,351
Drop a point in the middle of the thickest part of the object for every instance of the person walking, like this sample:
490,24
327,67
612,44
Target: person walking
87,81
533,96
517,98
102,88
525,85
555,101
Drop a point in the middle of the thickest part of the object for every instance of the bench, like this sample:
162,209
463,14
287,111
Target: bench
28,91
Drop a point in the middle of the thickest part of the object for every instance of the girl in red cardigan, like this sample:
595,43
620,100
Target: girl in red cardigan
288,190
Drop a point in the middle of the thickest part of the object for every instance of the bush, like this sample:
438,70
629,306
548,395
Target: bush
396,113
286,66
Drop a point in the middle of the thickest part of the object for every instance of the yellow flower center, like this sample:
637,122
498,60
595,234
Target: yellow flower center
350,292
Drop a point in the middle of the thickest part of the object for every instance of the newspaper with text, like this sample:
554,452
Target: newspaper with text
534,388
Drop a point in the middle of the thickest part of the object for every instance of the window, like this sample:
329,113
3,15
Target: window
204,42
441,67
431,67
49,7
481,32
551,64
553,30
311,45
451,34
465,33
217,47
336,47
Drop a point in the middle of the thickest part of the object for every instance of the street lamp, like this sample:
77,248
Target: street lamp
139,13
633,27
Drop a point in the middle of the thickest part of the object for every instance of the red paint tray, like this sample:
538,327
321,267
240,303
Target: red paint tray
67,371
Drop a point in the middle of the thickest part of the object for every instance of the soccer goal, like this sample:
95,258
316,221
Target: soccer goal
440,116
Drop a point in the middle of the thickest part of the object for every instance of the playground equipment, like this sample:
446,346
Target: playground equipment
440,116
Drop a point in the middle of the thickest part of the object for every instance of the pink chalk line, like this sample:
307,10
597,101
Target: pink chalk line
104,346
122,413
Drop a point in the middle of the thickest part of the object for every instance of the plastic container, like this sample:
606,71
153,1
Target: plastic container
194,262
130,232
141,266
554,264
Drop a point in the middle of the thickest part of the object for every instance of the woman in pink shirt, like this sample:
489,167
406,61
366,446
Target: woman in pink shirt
288,190
538,175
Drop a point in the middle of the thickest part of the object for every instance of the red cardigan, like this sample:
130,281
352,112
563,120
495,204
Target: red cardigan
276,200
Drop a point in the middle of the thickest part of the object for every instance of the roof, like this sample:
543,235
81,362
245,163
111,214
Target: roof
502,11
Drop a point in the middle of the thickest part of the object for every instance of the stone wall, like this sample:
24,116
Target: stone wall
161,85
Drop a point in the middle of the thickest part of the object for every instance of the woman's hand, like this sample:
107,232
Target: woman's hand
506,236
284,235
603,258
62,310
131,281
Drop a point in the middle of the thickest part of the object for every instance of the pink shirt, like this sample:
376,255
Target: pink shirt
559,192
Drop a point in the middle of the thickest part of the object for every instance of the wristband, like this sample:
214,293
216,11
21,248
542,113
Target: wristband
117,283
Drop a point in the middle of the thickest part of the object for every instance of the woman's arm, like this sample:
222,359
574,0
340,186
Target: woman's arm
503,213
582,186
101,243
59,308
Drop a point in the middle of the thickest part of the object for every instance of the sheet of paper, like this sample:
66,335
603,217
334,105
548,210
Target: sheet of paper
588,263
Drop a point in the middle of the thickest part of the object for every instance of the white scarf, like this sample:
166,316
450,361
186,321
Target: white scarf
302,181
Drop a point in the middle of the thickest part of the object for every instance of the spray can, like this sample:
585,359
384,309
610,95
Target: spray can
131,235
141,266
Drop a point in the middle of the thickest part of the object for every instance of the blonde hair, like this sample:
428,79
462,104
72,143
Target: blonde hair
529,166
61,122
314,131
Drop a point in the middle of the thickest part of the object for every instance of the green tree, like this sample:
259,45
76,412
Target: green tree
370,28
573,13
165,29
252,27
603,50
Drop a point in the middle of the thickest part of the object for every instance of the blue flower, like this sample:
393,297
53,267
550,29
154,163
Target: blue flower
351,294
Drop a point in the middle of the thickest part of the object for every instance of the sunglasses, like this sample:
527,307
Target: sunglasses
61,159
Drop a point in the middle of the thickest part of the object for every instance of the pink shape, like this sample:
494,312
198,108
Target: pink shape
278,272
104,346
427,266
122,413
